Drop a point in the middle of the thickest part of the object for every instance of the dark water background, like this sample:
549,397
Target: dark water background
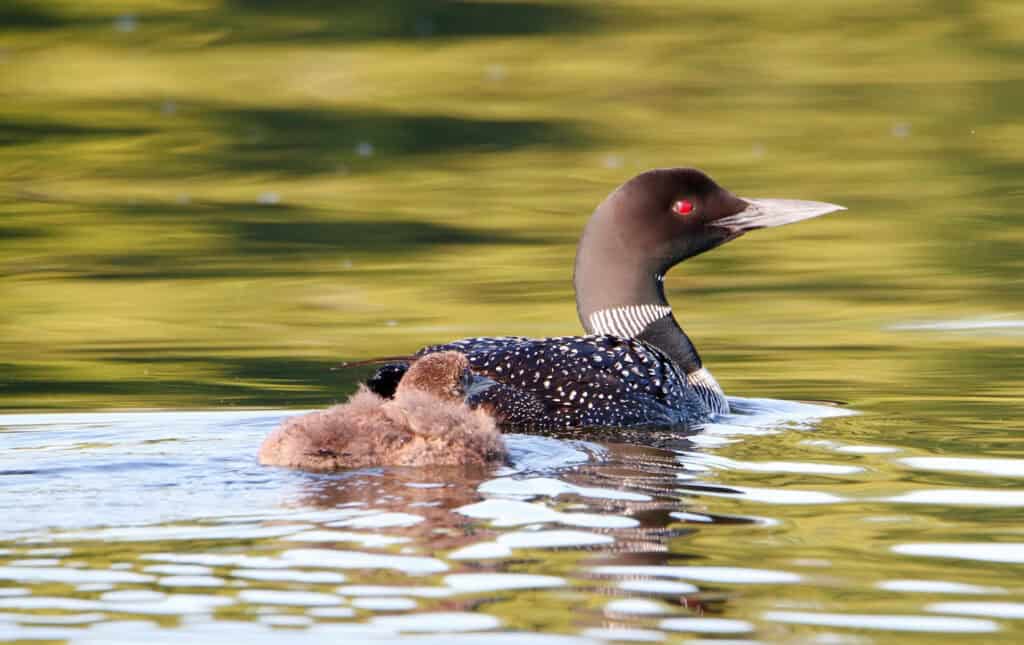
205,205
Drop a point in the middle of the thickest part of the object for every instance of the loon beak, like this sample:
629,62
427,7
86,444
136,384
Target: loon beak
764,213
474,385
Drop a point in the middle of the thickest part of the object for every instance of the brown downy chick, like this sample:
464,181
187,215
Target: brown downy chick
426,424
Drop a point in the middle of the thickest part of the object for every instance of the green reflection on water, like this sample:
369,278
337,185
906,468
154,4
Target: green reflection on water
210,204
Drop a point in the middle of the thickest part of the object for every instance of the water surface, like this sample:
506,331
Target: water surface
205,205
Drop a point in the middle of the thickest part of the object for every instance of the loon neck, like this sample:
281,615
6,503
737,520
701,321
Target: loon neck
619,275
631,305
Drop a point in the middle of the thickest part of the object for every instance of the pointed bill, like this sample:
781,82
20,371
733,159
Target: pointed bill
764,213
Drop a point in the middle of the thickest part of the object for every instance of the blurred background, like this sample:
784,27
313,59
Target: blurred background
209,203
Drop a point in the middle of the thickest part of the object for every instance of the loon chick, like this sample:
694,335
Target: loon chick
635,366
426,424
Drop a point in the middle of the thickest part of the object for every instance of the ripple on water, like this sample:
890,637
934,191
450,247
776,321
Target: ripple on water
384,603
506,512
286,620
190,581
412,565
190,532
529,453
293,598
936,586
716,462
366,540
375,520
961,497
704,625
549,487
972,465
738,575
168,605
485,582
382,590
624,634
53,619
889,622
289,575
179,569
452,621
505,543
511,501
991,609
637,606
71,576
666,587
219,560
983,551
766,495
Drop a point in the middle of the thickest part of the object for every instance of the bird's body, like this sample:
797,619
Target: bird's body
426,423
635,366
579,381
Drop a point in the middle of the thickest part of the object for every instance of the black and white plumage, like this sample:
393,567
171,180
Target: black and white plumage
635,366
579,381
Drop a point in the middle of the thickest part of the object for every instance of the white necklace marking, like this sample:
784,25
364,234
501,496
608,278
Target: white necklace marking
628,321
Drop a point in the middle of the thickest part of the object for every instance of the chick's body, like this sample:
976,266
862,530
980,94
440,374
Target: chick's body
427,423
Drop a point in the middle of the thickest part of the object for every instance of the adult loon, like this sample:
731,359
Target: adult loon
635,366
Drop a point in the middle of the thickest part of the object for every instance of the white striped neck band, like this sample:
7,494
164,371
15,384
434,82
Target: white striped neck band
709,390
628,321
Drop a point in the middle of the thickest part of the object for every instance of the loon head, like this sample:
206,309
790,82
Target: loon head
661,217
648,225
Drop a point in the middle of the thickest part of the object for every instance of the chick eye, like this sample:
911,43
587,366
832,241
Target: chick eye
683,207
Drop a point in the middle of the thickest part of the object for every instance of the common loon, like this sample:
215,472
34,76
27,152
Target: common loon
635,366
426,424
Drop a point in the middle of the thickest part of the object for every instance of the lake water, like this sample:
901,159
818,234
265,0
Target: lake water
207,205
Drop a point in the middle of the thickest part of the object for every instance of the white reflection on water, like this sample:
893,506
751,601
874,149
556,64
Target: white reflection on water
366,540
936,586
293,598
437,622
405,590
890,622
666,587
178,569
773,495
70,576
961,497
638,606
330,558
985,551
717,462
549,487
505,512
707,574
503,546
168,605
974,465
969,324
633,506
625,634
992,609
706,625
385,603
480,582
190,581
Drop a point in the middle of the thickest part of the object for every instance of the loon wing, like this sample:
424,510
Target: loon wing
579,381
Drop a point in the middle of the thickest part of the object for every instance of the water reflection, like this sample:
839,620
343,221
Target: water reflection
397,550
210,204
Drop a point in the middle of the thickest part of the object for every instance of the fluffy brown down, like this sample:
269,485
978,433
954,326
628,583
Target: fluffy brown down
416,428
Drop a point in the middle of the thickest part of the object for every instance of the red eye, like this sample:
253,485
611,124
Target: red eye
683,207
